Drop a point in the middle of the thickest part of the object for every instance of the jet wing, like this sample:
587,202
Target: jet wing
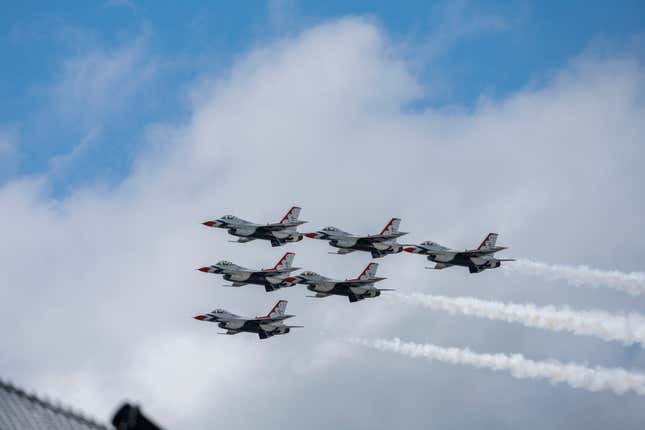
240,269
328,284
358,282
264,320
278,272
277,226
245,230
480,252
380,237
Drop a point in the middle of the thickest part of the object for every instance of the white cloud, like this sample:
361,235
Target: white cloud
104,280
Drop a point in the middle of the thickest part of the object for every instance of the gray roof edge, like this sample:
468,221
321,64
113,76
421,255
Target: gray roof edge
65,411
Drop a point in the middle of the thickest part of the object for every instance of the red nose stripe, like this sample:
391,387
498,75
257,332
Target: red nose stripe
204,269
200,317
311,235
209,223
409,249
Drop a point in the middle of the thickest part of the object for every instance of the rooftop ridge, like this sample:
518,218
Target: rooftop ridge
58,408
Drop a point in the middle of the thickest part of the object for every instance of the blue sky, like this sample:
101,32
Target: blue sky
461,51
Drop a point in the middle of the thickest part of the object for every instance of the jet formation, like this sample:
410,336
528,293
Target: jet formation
272,279
265,326
277,233
379,245
355,289
477,260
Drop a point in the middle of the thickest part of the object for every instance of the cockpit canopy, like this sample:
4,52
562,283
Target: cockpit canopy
308,273
330,228
224,263
429,243
228,217
218,311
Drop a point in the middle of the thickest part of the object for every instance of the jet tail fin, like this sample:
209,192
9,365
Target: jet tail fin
285,262
488,242
278,309
369,272
392,226
291,216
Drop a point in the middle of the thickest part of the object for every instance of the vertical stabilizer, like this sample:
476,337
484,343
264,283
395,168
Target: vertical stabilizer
369,272
489,241
392,227
291,216
277,310
285,262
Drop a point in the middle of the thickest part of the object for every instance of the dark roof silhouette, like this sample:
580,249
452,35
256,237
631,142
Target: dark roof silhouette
20,410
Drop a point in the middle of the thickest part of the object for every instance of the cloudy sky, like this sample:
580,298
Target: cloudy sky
123,125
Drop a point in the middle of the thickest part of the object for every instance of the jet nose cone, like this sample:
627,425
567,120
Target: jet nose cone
204,269
200,317
311,235
210,223
410,249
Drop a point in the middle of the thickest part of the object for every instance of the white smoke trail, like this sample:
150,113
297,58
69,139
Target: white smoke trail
627,329
632,283
617,380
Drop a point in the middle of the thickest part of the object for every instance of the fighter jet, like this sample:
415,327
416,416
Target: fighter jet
273,278
356,289
379,245
477,260
277,233
265,326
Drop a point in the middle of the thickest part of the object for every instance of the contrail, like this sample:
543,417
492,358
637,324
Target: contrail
632,283
575,375
627,329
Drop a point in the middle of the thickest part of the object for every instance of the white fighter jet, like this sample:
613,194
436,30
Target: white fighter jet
356,289
378,245
265,326
477,260
277,233
273,278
